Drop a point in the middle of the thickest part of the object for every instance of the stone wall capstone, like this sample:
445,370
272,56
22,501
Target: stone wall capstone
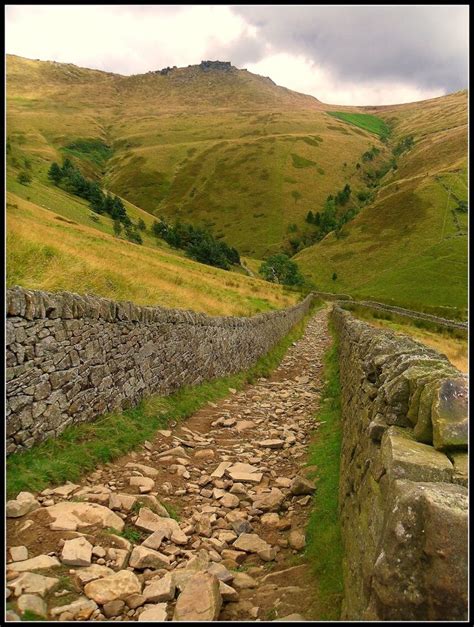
72,358
403,483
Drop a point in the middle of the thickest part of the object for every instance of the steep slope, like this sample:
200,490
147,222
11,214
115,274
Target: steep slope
56,247
410,245
221,147
209,144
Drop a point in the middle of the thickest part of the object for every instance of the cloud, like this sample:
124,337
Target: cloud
425,46
346,54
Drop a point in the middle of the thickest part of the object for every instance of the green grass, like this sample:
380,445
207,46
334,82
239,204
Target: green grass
172,511
370,123
92,149
81,448
324,544
130,533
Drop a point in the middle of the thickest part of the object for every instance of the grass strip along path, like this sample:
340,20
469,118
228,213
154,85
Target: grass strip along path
80,448
324,544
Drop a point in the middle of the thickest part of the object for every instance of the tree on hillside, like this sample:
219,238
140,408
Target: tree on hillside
310,217
334,276
141,224
24,178
117,228
281,269
54,173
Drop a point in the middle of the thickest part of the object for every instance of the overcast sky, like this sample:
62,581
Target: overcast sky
339,54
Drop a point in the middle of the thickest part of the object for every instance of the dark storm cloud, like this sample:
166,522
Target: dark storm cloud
422,45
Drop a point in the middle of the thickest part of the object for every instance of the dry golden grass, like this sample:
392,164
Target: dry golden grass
455,349
50,254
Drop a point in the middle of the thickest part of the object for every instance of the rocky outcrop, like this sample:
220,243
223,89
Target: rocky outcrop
225,66
403,500
72,358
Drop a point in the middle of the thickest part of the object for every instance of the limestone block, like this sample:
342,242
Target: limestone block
405,458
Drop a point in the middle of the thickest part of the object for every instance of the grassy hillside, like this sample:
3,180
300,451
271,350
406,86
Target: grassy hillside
46,250
232,151
226,149
410,245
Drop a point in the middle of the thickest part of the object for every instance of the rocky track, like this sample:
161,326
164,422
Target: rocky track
205,522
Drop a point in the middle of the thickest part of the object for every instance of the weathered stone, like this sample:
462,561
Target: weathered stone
200,600
269,501
24,503
117,586
301,485
154,541
404,458
19,553
417,569
296,539
77,552
230,500
220,572
113,608
449,415
144,484
159,590
143,557
252,543
92,572
242,581
32,603
154,614
32,583
228,593
72,516
123,502
149,521
271,443
81,609
148,471
36,563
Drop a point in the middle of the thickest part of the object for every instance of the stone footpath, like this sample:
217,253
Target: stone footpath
206,522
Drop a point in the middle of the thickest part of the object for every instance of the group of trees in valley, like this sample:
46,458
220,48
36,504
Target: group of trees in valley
198,243
69,178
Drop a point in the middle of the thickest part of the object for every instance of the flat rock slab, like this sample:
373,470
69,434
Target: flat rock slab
90,573
154,614
148,471
271,443
32,583
32,603
142,558
149,521
79,610
117,586
405,458
200,600
77,552
71,516
36,563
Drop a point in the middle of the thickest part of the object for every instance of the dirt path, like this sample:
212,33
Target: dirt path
230,472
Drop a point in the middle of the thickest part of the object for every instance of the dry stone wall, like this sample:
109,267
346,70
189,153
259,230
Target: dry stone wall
71,358
403,485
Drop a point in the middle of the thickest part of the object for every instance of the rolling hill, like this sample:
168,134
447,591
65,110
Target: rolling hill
221,147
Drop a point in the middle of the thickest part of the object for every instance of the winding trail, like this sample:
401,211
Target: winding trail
246,522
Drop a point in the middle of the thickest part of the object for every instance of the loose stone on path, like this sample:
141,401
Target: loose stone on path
198,503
